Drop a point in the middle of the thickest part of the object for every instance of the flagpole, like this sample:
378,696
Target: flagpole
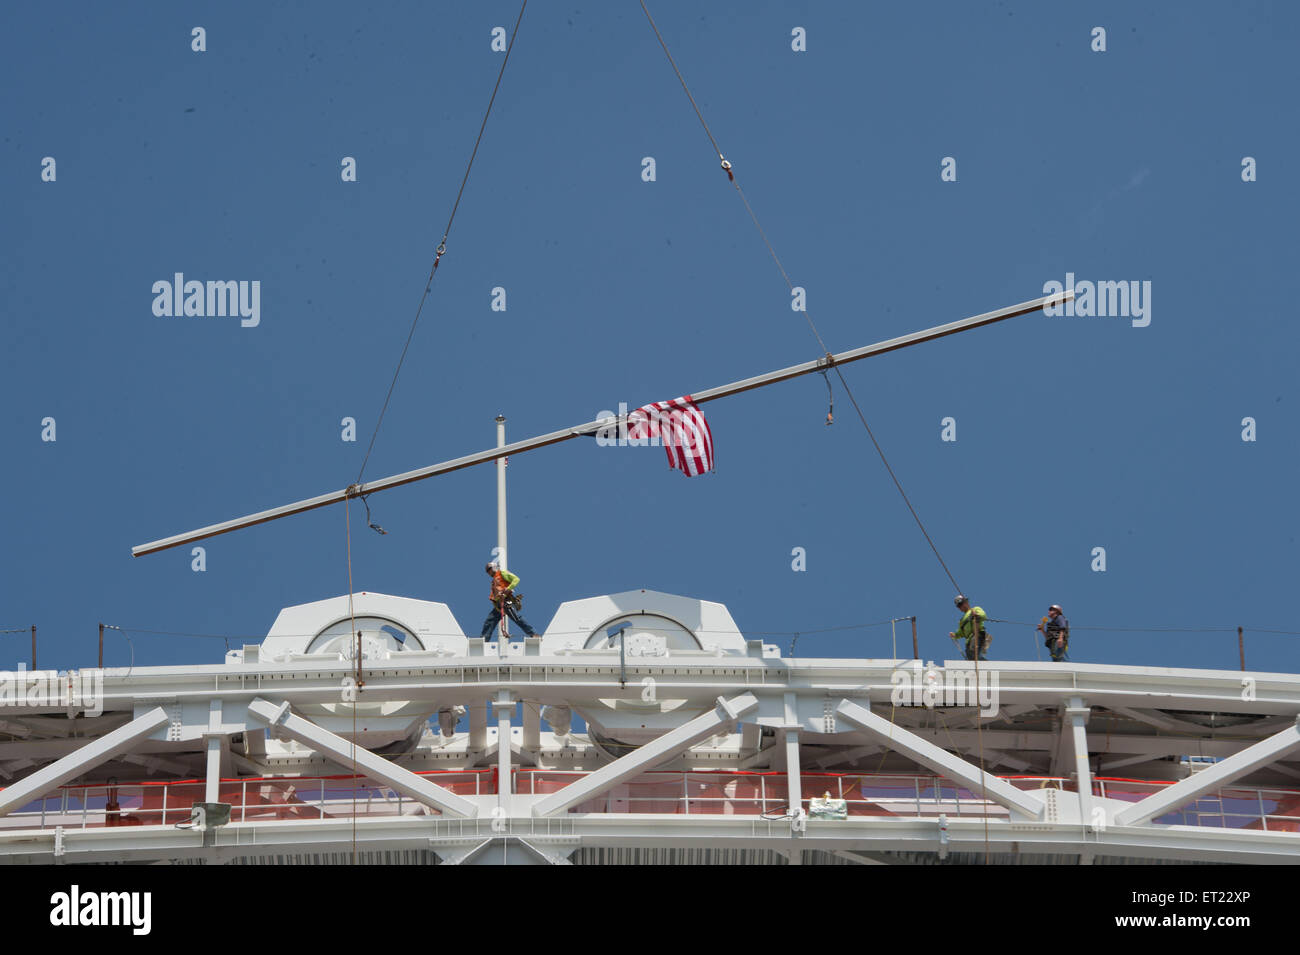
554,437
501,495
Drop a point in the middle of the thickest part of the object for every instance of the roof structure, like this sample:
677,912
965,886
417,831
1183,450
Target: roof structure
638,728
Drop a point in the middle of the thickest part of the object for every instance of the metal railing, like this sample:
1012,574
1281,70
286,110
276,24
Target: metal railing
704,793
728,792
1271,810
251,800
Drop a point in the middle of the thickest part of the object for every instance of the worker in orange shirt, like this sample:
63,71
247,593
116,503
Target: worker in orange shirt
504,599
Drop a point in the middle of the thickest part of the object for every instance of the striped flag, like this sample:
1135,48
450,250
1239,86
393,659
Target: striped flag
682,430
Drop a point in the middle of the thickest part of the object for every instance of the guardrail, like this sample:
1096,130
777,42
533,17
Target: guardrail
720,792
1272,810
251,800
729,792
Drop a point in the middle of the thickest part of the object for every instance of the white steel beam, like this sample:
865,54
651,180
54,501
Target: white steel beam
1215,777
213,788
941,761
1074,723
505,711
279,718
648,756
847,756
709,394
87,757
793,779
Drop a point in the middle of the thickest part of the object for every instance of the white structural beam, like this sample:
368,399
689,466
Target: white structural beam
279,718
793,778
1216,776
709,394
847,756
505,710
941,761
212,789
1075,724
87,757
648,756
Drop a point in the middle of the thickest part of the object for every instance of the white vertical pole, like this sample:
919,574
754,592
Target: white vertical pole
501,495
501,523
793,779
1076,718
505,710
212,790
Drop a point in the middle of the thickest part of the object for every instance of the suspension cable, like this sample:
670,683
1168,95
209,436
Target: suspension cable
442,245
727,167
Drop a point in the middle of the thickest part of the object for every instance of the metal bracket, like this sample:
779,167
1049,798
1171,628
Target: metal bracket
799,820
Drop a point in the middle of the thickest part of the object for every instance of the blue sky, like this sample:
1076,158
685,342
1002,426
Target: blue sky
1072,433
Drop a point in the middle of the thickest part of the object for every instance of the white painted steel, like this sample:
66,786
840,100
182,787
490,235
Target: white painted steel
279,718
941,761
647,757
709,394
1212,777
83,758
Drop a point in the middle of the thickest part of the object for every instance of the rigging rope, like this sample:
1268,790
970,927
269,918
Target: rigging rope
727,167
442,246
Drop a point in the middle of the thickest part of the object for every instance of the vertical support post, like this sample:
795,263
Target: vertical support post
1076,718
505,710
101,646
916,654
33,646
793,779
212,790
1241,648
501,495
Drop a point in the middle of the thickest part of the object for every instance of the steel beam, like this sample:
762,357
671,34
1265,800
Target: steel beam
278,718
1074,723
505,711
86,757
648,756
941,761
1216,776
793,779
709,394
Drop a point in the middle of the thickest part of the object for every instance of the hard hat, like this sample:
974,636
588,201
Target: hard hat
959,600
1056,607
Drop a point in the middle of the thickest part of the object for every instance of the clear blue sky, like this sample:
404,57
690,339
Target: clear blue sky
1073,433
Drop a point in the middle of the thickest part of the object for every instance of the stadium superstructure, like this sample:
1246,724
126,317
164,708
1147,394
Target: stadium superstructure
638,728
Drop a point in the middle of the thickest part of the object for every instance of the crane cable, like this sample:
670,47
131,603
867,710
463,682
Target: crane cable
830,363
442,245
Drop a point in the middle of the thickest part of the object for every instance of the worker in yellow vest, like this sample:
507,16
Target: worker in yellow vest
504,600
971,629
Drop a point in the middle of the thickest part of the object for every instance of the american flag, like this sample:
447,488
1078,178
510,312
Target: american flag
682,430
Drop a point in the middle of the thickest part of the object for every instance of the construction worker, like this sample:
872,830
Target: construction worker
503,597
1056,633
971,627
